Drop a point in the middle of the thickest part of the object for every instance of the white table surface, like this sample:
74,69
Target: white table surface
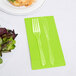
64,12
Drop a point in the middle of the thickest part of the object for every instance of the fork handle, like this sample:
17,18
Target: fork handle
41,52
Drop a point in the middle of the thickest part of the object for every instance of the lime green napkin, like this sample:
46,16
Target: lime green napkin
44,44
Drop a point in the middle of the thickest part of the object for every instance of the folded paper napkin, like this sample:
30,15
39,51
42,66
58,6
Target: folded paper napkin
44,44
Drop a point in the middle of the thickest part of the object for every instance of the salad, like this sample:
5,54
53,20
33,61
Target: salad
21,2
7,41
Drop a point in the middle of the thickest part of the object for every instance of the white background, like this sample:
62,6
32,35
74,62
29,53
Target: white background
64,12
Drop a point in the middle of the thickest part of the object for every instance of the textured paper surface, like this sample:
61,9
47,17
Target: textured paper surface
50,43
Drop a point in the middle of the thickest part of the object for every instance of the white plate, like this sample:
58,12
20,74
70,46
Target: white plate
8,8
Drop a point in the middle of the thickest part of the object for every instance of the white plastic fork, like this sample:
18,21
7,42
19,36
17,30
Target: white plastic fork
37,33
